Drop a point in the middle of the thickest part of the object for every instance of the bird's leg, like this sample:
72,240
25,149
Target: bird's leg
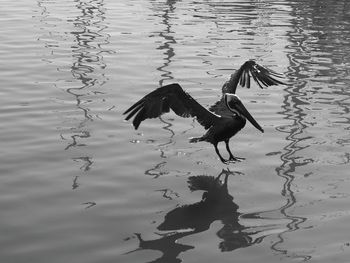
218,153
232,158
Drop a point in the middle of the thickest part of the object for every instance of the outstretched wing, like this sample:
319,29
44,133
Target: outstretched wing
169,97
264,77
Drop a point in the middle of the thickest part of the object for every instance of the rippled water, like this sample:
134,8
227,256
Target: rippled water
78,184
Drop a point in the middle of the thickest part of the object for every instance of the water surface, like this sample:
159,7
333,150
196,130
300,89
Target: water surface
78,184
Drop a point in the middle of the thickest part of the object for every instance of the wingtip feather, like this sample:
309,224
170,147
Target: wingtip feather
133,106
133,112
139,118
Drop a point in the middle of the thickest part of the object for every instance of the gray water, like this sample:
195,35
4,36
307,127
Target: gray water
79,184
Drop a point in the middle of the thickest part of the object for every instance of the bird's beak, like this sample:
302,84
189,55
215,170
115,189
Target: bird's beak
242,110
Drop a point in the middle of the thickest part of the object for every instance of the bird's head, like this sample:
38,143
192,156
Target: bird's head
235,105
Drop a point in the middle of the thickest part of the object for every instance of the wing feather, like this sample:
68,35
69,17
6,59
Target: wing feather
140,116
257,80
169,97
248,79
262,76
134,110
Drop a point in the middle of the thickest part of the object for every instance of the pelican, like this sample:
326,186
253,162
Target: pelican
224,119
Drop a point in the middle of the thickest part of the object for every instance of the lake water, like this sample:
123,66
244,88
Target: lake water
79,184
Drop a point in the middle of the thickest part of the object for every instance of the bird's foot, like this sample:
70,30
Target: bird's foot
229,161
235,159
232,159
225,161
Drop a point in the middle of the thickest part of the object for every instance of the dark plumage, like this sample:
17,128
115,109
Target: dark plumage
169,97
230,114
264,77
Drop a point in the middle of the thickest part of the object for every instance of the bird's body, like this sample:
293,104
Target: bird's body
223,120
222,132
226,128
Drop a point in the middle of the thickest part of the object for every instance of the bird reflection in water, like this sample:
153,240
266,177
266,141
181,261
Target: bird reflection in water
222,121
216,205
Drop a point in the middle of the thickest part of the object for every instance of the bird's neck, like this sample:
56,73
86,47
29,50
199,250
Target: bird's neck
230,86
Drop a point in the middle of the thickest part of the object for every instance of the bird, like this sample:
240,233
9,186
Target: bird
222,121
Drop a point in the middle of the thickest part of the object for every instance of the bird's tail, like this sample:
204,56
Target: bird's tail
198,139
